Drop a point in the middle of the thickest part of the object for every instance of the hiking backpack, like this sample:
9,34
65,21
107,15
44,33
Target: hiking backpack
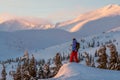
77,45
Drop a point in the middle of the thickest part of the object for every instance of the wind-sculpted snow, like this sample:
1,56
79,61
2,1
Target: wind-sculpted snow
75,71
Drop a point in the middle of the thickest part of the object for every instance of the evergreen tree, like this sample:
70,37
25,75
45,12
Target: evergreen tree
58,62
17,75
93,63
42,61
40,73
63,57
79,57
102,60
98,44
96,54
32,67
114,59
3,73
83,47
22,72
87,59
68,56
46,71
93,43
89,45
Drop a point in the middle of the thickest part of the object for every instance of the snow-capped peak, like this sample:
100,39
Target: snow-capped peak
11,23
5,17
110,10
111,6
81,21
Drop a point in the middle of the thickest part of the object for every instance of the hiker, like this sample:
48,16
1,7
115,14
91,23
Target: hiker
74,53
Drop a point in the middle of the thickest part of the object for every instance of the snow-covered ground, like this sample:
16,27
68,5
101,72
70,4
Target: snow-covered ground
75,71
66,47
78,71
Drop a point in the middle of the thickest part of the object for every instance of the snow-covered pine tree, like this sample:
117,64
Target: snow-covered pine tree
87,59
89,45
17,75
83,47
3,74
114,59
68,56
25,56
93,43
22,72
40,73
92,62
58,62
98,44
42,62
32,67
102,60
79,56
63,57
118,62
25,73
96,54
46,71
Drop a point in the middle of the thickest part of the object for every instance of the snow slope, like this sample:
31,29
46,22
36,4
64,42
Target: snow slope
114,29
66,47
74,71
14,43
100,20
71,71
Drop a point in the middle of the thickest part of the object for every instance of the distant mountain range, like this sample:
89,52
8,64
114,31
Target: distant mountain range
98,21
13,23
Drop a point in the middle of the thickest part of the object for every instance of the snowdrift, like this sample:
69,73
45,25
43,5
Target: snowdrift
75,71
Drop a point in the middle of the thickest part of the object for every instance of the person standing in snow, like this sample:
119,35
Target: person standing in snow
74,53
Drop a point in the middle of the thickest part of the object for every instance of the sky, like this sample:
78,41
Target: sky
53,10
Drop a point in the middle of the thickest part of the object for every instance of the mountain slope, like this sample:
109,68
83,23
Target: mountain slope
114,29
18,41
66,47
99,20
75,71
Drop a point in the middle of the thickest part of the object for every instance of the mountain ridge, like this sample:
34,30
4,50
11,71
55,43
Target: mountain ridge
11,23
77,23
